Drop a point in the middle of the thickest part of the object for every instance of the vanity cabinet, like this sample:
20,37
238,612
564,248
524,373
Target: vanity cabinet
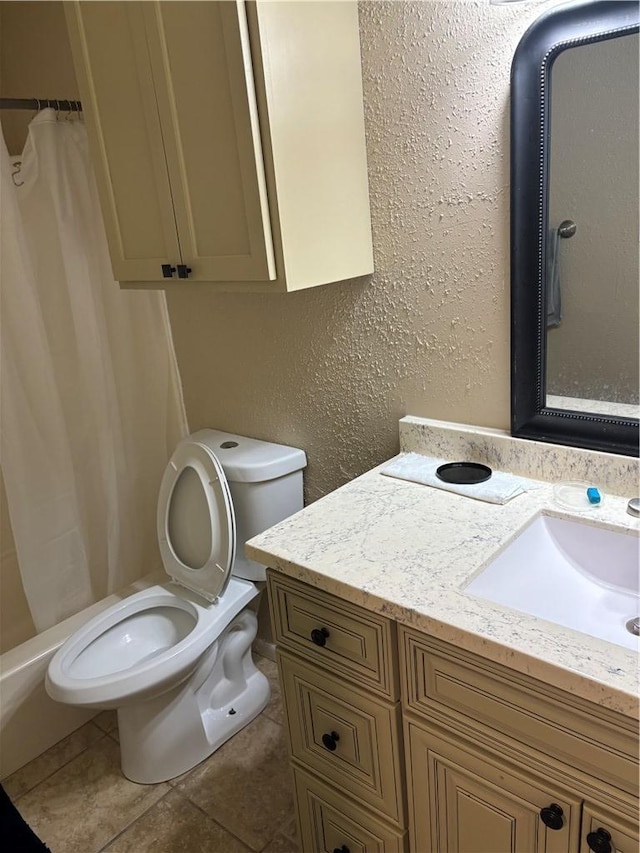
228,140
500,762
475,758
338,667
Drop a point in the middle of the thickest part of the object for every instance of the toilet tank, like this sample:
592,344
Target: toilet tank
266,486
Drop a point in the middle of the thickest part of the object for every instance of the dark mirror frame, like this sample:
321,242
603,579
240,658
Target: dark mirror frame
552,33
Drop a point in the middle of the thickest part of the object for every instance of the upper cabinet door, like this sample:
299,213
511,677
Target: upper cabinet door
228,140
171,106
118,95
202,70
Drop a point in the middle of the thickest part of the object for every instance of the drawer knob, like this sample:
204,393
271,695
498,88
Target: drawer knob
599,841
331,741
343,849
552,816
319,636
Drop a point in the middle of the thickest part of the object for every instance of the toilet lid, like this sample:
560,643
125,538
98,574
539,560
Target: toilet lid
195,520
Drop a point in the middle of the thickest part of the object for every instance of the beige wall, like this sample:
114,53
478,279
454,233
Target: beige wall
331,370
35,61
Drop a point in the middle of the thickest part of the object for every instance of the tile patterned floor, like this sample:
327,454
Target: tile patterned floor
239,800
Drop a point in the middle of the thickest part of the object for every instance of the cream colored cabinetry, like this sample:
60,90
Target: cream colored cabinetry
498,762
603,830
479,804
228,140
338,666
495,762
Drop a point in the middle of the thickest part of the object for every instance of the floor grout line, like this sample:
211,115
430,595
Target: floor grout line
217,823
44,779
133,822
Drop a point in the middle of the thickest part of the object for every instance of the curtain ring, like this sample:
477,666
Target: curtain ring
37,100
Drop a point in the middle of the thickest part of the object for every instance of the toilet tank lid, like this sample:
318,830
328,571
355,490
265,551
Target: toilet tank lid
248,460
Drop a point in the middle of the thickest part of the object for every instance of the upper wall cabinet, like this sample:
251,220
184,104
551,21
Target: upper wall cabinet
228,140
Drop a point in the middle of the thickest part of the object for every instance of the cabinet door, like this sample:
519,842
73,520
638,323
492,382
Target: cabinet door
463,803
203,76
112,64
600,827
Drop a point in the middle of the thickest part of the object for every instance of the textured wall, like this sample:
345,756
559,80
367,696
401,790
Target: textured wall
331,370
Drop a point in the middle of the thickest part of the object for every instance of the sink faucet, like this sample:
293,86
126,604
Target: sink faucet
633,507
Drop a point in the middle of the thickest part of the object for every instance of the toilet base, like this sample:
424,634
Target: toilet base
170,734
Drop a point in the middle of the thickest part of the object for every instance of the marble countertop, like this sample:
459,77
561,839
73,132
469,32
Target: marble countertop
407,550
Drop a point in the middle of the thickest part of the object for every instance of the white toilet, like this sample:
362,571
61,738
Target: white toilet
175,659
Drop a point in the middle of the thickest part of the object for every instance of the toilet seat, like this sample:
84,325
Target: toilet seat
156,636
195,520
102,683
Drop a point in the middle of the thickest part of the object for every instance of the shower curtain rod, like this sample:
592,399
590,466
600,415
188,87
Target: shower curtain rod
39,104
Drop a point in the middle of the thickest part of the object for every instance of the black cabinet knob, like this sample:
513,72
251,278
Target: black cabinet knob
343,849
184,271
331,741
551,816
319,636
168,271
599,841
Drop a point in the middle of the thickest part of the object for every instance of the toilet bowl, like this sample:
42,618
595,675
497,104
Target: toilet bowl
174,659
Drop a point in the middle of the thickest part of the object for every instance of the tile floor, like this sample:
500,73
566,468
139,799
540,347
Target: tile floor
239,800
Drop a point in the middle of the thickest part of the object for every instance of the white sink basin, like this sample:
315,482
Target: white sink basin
572,573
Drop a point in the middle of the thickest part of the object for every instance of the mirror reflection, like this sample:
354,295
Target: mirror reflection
591,260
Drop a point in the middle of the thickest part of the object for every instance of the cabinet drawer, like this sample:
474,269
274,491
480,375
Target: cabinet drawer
330,822
624,835
442,681
346,736
348,640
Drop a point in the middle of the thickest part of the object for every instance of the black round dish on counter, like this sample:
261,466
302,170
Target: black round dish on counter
464,473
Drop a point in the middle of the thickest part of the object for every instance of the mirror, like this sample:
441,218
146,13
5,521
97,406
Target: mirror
574,228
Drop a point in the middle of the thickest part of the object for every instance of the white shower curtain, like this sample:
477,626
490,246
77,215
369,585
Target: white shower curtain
90,399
